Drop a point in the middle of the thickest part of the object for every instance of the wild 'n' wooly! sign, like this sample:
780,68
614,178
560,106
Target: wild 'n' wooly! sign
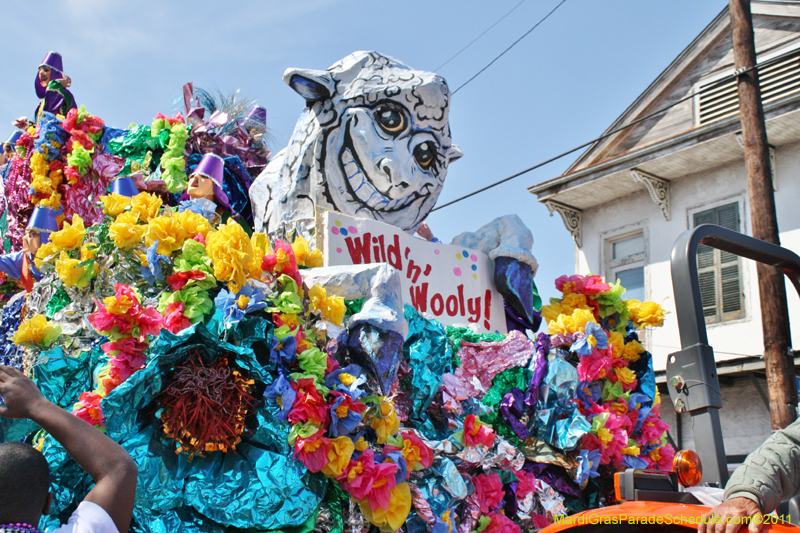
450,283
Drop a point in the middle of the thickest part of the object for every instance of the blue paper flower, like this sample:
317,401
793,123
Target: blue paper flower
595,337
281,388
233,307
632,461
346,424
202,206
283,352
588,461
335,381
397,458
153,270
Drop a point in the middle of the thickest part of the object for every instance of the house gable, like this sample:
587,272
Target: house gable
669,145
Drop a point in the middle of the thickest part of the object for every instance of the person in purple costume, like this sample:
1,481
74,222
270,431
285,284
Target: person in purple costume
52,87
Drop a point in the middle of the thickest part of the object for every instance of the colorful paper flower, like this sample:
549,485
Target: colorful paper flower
37,330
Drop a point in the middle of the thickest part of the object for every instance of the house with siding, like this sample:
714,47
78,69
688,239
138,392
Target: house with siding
654,175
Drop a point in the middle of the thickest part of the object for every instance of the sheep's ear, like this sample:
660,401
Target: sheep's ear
454,153
313,85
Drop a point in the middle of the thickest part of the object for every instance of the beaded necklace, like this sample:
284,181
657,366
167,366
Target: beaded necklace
18,528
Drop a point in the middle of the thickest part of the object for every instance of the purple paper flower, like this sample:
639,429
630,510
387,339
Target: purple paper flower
513,408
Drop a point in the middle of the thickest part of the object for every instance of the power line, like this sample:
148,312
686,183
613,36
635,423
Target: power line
479,36
510,47
709,87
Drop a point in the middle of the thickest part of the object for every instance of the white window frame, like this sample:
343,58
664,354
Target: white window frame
611,266
744,222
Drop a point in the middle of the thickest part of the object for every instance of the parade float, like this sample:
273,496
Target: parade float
328,371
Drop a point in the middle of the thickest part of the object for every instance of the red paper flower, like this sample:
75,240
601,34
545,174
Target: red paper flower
313,451
174,319
308,405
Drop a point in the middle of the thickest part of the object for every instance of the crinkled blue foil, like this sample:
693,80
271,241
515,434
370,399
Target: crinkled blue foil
254,488
69,483
559,422
429,355
62,378
442,485
250,487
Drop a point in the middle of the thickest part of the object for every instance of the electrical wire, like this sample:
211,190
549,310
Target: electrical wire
479,36
709,87
510,47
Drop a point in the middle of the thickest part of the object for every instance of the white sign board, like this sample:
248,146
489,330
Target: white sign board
450,283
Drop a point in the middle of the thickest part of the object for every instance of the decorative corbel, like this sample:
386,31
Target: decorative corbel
772,170
571,217
657,187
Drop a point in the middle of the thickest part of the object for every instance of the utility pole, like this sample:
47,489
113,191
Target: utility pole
771,285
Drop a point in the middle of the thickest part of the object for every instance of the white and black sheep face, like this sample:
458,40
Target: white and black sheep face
380,139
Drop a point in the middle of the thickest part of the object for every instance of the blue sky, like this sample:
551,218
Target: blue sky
561,86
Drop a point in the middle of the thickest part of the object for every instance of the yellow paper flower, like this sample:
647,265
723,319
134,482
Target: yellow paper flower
37,330
304,255
69,272
71,236
617,341
146,205
632,351
125,232
385,422
395,514
53,201
625,374
339,455
572,323
45,254
261,247
566,306
230,251
118,306
168,231
332,308
646,313
114,204
193,224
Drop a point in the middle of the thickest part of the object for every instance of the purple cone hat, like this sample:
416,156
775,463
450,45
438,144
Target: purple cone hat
45,221
14,137
258,116
212,166
123,185
53,60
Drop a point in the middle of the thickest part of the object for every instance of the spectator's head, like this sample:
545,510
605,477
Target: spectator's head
8,150
24,484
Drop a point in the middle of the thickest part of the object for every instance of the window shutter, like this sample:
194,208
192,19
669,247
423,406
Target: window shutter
719,272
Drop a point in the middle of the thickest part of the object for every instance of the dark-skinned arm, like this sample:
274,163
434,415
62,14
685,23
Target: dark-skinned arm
109,465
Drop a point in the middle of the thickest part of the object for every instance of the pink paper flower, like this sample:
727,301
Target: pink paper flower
489,489
475,432
500,523
594,366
